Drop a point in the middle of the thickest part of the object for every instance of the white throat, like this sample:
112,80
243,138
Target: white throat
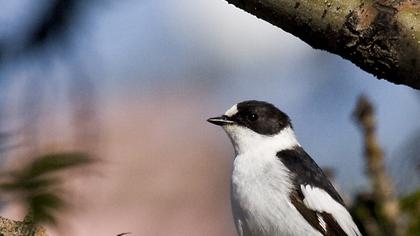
246,140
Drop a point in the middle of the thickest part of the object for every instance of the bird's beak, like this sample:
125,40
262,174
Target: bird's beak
221,120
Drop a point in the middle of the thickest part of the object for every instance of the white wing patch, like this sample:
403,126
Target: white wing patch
322,222
319,200
240,229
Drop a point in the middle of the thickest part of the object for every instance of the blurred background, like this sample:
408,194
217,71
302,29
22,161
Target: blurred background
132,84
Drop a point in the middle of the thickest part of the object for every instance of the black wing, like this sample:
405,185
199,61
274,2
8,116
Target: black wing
307,172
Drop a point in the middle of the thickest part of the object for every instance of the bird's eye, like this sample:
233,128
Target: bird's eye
252,117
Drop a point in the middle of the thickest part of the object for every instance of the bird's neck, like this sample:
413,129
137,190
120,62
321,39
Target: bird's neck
248,141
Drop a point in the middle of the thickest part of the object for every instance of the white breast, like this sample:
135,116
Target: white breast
260,190
261,185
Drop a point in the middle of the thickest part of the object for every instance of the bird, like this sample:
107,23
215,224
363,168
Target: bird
276,187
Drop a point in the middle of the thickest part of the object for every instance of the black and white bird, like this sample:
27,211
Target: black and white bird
277,189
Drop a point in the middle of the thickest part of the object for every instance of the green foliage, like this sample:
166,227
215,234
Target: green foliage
365,211
411,205
38,185
51,163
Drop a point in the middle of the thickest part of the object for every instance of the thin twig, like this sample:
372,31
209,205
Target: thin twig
382,187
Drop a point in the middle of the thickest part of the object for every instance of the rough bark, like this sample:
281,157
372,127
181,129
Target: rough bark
382,186
20,228
380,36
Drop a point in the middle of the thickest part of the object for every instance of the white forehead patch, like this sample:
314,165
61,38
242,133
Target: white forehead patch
232,111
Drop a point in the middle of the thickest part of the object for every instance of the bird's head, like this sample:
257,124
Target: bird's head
256,124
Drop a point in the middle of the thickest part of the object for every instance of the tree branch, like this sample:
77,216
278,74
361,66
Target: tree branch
380,36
